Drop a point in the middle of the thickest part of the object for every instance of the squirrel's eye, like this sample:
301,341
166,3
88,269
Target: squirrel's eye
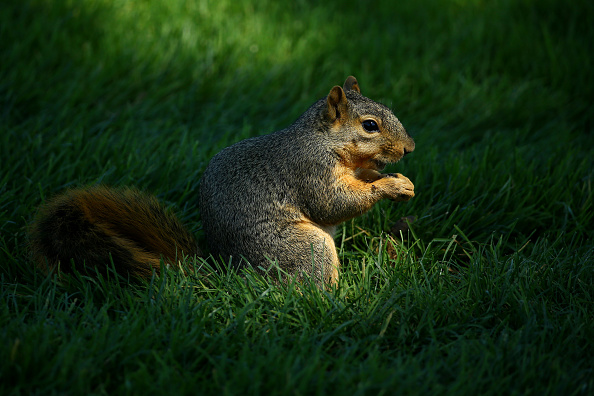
370,126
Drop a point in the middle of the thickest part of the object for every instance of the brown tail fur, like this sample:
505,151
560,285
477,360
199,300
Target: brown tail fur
86,228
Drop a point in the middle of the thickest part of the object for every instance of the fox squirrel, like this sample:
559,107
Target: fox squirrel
273,198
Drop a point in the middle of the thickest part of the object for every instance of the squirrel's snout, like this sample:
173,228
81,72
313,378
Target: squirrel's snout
407,151
409,147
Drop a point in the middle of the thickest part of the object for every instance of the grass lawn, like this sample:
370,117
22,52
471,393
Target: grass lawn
490,292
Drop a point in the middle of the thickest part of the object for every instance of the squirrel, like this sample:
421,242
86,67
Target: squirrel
265,202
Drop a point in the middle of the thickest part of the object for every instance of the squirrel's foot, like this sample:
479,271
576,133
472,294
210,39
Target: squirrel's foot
401,188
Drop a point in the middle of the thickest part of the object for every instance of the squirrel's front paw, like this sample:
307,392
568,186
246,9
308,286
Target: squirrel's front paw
400,188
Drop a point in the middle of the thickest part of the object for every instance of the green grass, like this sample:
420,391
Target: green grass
492,292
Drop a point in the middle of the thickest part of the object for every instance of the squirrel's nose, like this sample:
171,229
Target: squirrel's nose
409,147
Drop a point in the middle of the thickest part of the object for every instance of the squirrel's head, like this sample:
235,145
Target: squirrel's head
367,134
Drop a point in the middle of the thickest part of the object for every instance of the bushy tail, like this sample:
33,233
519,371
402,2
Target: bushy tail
88,228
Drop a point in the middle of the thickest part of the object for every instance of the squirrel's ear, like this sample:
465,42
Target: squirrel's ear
351,84
337,104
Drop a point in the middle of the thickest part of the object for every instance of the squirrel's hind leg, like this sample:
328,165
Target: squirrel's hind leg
311,251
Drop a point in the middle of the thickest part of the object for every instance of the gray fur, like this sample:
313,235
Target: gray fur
255,193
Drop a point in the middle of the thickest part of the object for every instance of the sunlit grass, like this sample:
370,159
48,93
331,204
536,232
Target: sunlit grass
491,292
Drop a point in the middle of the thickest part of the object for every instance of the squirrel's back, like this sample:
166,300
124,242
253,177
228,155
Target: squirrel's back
89,228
